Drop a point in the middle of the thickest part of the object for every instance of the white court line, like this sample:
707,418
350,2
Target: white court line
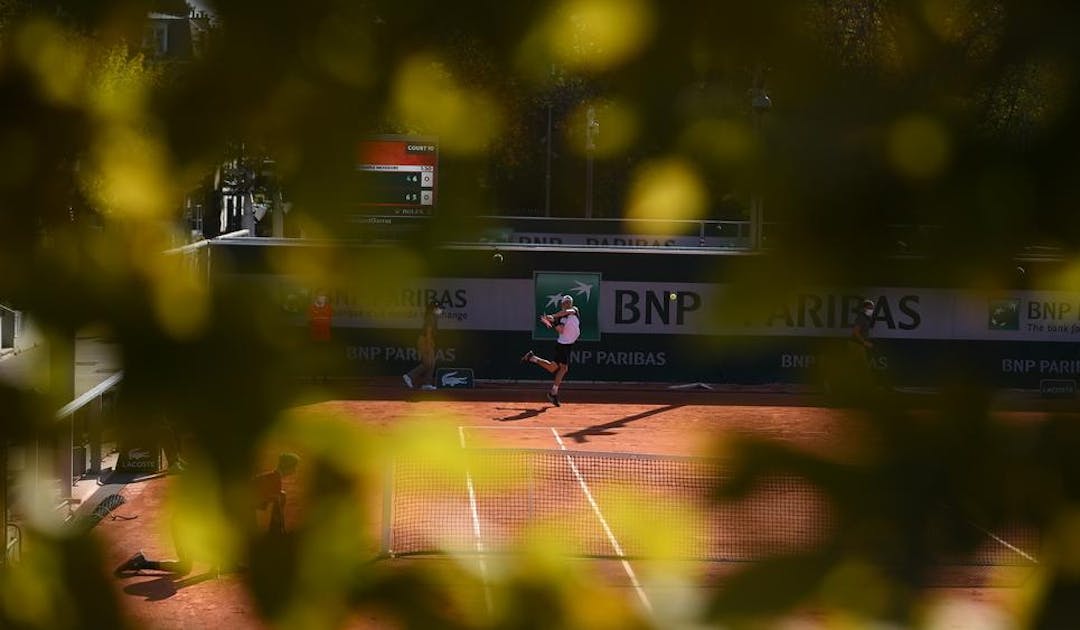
476,531
607,530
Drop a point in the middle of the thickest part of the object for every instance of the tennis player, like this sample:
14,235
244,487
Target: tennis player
566,322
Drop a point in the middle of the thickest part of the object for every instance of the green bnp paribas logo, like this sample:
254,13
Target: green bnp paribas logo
1004,314
548,289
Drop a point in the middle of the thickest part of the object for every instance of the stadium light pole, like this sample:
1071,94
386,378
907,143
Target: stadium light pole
547,171
760,103
4,496
592,128
547,141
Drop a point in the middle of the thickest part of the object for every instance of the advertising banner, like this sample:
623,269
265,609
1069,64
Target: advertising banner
650,316
468,303
454,378
719,359
654,308
613,240
548,291
699,332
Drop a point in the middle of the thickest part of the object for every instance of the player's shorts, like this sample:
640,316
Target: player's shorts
562,353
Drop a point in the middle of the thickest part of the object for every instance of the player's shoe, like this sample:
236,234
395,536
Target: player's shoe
527,357
132,564
554,399
408,380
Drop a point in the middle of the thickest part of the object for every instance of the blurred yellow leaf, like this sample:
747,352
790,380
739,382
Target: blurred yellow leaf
668,189
431,100
57,58
919,147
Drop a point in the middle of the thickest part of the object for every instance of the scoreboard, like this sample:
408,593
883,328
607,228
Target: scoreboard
397,176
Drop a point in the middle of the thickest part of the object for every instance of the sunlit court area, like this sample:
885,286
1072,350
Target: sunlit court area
564,314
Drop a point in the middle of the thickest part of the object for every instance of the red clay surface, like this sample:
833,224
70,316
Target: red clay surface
681,423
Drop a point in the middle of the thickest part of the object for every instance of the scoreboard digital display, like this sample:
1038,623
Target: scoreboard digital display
397,176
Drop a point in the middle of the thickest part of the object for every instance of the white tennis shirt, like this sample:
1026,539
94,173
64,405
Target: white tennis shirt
571,329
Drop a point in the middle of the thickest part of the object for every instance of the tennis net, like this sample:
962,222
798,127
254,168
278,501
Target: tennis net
597,504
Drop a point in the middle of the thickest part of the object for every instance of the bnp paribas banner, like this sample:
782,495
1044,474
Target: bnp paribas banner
673,308
549,288
907,313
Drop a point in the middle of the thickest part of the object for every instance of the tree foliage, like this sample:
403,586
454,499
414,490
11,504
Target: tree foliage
960,113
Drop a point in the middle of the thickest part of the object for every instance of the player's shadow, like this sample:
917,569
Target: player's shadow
583,435
524,415
165,586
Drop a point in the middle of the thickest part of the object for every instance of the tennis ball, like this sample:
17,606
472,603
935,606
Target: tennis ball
498,258
673,296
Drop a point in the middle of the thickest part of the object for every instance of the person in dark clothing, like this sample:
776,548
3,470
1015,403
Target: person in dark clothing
267,494
860,331
870,355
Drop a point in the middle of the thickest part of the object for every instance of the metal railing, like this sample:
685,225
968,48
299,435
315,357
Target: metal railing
725,235
80,437
57,460
720,234
9,327
12,545
74,447
197,255
77,443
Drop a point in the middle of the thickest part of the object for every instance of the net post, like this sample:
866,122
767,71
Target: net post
387,508
529,474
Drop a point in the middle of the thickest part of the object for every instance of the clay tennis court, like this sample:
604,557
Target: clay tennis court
661,422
